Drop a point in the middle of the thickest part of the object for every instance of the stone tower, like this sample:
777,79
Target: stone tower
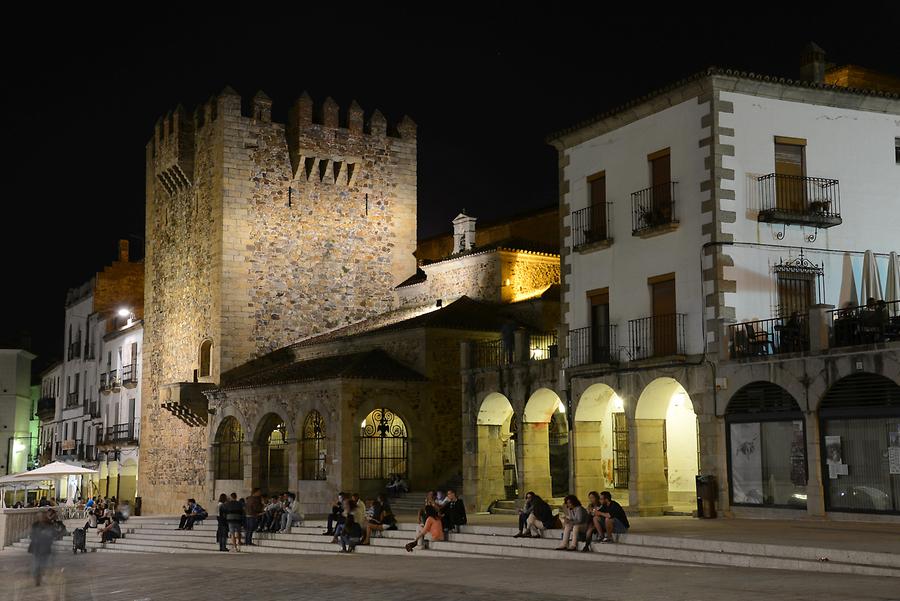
259,234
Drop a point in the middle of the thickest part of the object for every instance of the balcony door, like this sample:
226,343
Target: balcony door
660,177
597,228
790,169
664,330
600,342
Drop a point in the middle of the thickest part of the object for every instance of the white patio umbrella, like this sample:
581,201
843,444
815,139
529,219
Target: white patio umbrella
57,469
871,280
892,289
849,294
13,481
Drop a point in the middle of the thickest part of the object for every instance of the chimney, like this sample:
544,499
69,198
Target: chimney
123,251
463,233
812,64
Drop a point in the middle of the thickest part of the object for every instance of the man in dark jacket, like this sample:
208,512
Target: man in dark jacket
453,514
253,508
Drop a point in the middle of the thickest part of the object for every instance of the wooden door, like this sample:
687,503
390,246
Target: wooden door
661,177
665,340
790,169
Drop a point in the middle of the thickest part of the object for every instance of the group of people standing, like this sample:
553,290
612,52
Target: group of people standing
256,513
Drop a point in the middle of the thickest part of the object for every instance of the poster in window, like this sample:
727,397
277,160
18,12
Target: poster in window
894,452
834,457
746,464
798,456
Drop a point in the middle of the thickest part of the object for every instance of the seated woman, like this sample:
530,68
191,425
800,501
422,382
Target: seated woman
110,532
595,505
541,517
433,527
351,534
430,497
380,519
575,522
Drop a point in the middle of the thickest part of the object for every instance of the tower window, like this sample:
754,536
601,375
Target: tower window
205,358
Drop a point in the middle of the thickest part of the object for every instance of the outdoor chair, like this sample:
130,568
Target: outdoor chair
759,342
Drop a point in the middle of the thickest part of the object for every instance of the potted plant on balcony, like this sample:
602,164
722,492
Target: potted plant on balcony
819,206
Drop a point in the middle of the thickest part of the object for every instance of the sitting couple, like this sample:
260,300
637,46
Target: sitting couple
603,516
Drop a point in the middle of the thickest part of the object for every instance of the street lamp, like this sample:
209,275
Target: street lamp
124,313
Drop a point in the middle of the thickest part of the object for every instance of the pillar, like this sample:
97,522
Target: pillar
489,478
651,486
588,450
815,490
293,465
536,458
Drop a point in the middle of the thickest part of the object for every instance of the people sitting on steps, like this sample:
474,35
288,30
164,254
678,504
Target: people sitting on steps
453,512
611,518
575,519
193,513
433,528
524,514
110,531
351,534
337,514
291,513
541,517
382,519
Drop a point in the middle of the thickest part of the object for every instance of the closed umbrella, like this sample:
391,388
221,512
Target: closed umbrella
849,294
892,290
871,280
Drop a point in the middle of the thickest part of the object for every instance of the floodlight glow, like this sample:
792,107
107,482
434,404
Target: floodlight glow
124,312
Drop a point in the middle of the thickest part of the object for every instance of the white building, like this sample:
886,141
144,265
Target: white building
94,391
15,410
708,230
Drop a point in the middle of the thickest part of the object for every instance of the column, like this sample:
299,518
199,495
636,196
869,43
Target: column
651,486
588,450
815,490
536,459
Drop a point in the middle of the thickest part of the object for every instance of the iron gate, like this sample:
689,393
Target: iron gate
383,446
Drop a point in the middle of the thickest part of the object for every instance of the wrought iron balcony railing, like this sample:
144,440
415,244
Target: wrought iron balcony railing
492,353
127,432
653,209
129,376
869,324
764,337
543,346
592,345
657,336
72,400
591,225
799,200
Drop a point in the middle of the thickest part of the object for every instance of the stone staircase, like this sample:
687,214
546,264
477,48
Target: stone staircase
159,535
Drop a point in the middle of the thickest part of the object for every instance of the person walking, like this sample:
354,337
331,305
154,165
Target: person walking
41,546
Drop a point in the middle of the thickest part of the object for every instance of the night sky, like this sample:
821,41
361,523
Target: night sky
82,100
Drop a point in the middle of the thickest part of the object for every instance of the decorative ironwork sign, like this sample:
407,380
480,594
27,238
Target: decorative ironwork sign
799,265
382,422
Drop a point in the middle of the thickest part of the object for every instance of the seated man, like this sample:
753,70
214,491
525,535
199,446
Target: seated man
197,514
351,533
187,509
110,532
337,514
611,518
291,513
453,512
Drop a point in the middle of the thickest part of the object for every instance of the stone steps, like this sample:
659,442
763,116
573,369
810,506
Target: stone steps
160,535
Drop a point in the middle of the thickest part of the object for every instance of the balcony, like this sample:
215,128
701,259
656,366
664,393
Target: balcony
75,350
121,433
591,227
768,337
870,324
68,447
491,353
653,210
72,400
109,382
592,345
46,408
543,346
794,199
129,376
657,336
94,409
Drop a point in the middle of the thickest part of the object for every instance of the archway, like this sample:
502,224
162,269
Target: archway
313,454
545,445
766,447
383,446
271,455
601,441
860,428
497,431
228,450
666,436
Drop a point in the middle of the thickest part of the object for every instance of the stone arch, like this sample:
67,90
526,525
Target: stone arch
600,440
666,447
270,465
228,450
384,445
204,359
545,444
766,446
496,434
859,421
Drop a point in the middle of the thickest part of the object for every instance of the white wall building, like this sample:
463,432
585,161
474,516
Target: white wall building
15,410
724,199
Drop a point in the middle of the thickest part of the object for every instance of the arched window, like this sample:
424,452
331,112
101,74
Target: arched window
313,451
228,450
205,358
383,446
